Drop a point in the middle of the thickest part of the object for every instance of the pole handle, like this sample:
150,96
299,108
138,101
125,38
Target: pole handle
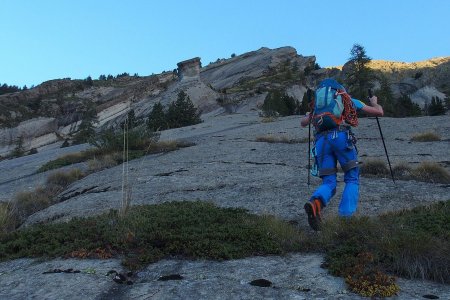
370,93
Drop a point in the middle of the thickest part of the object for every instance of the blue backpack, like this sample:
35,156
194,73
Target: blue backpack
328,105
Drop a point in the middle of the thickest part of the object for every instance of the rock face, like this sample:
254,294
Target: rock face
225,74
237,84
189,68
34,133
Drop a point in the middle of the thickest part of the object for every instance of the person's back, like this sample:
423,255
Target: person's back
333,115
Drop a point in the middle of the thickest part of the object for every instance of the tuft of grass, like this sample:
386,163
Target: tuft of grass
269,119
6,218
64,179
402,171
278,139
25,204
374,167
103,162
148,233
431,172
426,137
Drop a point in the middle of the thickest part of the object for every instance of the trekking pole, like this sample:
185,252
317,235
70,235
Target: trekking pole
308,94
382,138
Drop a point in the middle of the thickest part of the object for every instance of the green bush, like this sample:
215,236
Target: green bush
149,233
412,243
67,160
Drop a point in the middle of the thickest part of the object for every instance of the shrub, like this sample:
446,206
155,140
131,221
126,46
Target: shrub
149,233
418,242
66,160
426,137
412,243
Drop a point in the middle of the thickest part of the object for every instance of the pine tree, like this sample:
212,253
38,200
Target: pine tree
386,97
19,150
157,118
406,108
359,75
182,112
86,129
279,103
131,120
436,107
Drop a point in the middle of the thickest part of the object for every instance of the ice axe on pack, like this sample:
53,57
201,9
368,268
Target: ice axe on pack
382,138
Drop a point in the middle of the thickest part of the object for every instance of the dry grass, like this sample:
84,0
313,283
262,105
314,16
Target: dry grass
103,162
402,170
426,137
278,139
24,204
425,171
431,172
268,119
64,179
374,167
6,218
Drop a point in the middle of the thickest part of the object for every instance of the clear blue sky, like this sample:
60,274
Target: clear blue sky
49,39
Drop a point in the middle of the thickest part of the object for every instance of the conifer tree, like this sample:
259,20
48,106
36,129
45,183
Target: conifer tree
359,75
386,97
182,112
157,118
86,129
436,107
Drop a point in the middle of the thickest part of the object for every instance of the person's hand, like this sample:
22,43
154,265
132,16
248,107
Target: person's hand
373,101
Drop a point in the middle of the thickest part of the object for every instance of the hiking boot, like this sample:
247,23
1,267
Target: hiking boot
312,210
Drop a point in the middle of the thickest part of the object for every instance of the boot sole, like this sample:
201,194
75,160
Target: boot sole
313,221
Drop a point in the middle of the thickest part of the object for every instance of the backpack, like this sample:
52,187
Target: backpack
332,106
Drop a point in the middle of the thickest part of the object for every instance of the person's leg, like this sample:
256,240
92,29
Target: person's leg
327,170
347,157
326,190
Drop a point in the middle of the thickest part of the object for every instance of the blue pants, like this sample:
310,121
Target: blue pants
332,147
